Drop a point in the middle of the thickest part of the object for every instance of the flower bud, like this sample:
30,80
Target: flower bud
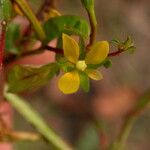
81,65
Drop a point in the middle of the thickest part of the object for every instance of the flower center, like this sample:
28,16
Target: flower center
81,65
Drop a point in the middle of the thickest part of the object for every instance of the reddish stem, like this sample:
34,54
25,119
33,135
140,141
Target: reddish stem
56,50
2,43
119,51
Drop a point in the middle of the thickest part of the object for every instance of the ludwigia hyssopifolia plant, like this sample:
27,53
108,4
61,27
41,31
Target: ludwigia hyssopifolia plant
79,56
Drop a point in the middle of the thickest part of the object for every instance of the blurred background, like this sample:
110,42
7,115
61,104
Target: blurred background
76,117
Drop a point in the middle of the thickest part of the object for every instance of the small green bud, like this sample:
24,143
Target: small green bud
107,63
115,42
131,49
128,43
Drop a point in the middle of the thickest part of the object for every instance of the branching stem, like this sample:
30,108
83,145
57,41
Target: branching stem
93,24
32,18
130,119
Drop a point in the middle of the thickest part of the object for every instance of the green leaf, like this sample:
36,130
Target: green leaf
34,118
12,36
68,24
5,9
131,49
84,81
22,78
115,42
128,45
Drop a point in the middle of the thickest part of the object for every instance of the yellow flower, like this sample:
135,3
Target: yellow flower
69,83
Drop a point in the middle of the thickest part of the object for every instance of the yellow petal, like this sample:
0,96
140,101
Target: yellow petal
98,53
69,82
71,48
94,74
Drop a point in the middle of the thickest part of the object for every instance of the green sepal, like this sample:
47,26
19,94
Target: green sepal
106,63
82,48
84,81
65,65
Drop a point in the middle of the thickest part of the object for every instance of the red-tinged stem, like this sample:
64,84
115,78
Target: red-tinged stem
119,51
53,49
49,48
12,58
2,42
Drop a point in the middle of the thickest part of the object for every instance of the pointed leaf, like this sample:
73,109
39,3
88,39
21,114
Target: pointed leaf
22,78
34,118
84,81
54,27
